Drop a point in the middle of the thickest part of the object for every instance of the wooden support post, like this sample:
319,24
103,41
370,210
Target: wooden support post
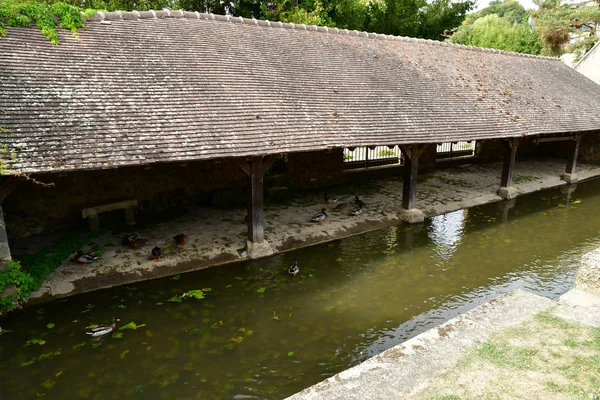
5,256
6,188
510,156
507,191
255,169
4,249
256,216
569,176
268,162
409,184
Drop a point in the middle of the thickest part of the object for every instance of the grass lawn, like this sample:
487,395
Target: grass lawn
545,358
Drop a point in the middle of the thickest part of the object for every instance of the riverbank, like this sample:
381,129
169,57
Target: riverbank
519,345
218,236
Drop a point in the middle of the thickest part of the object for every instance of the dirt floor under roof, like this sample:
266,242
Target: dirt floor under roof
219,236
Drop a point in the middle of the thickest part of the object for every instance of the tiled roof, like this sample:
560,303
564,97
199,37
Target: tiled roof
138,88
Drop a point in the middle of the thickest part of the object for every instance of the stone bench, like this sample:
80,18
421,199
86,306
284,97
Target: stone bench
91,213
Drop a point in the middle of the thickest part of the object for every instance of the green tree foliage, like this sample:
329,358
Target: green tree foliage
308,12
417,18
503,26
494,32
510,10
439,17
559,23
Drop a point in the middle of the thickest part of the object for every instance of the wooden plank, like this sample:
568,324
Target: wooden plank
573,153
8,186
554,139
409,179
256,216
243,165
86,212
510,156
268,162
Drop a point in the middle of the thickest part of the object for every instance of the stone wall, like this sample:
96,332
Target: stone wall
316,168
493,150
589,149
33,209
427,160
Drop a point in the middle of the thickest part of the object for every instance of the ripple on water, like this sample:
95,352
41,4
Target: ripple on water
260,334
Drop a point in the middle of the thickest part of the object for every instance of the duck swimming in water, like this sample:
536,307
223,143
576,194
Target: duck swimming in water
84,258
293,269
133,241
319,217
330,200
156,253
102,330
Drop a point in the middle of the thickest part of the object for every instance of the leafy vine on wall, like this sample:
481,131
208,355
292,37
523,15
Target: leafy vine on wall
45,16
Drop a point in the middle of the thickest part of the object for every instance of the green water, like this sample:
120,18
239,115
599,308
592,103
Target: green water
262,334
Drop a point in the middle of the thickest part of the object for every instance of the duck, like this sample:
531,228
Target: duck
156,253
340,207
133,241
359,202
180,239
293,269
102,329
319,217
84,258
330,200
356,211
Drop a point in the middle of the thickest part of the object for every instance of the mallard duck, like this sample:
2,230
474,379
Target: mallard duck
356,211
319,217
180,239
156,253
102,330
133,241
359,202
84,258
293,269
330,200
340,207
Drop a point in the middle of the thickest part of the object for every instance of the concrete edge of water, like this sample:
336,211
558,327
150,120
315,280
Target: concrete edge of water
63,286
405,369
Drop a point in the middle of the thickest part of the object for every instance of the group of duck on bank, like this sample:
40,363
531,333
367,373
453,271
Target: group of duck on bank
340,207
132,241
